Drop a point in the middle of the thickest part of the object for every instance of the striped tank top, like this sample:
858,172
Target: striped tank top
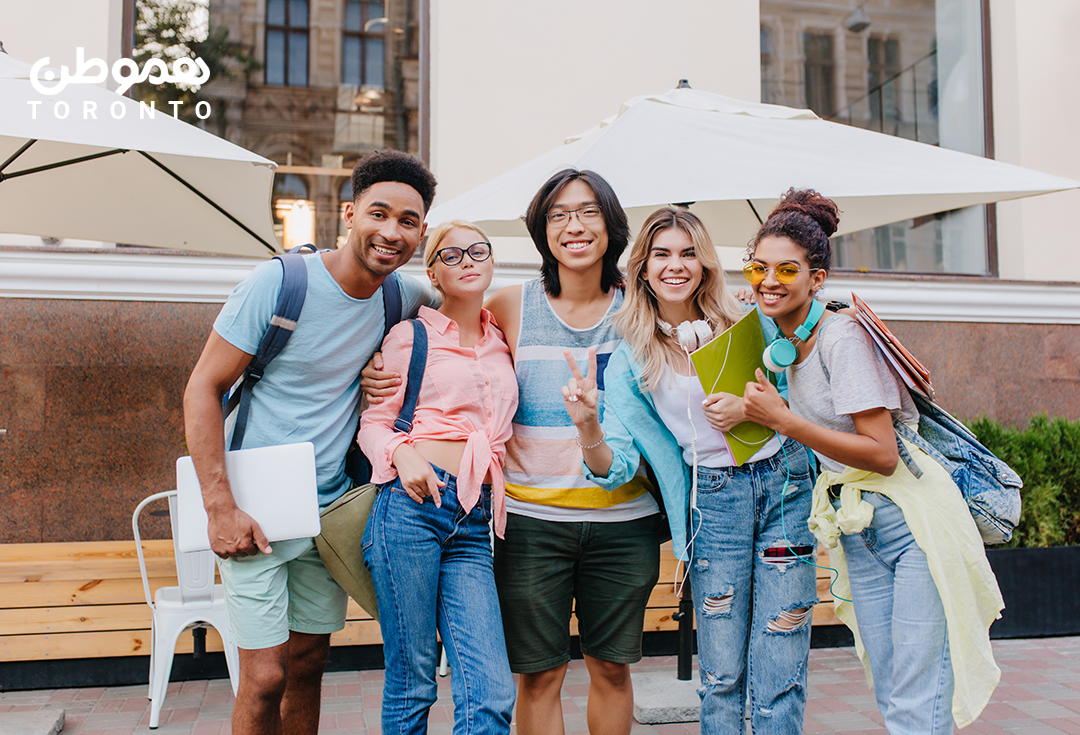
543,462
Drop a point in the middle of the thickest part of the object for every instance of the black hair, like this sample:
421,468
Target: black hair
618,229
393,165
806,218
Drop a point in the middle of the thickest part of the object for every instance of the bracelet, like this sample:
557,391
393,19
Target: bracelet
603,436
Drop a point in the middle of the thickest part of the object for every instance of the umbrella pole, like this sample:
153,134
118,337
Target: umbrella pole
685,616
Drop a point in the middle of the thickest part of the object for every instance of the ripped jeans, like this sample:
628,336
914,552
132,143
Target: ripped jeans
753,597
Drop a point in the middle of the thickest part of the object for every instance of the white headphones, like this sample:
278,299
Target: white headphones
782,353
690,335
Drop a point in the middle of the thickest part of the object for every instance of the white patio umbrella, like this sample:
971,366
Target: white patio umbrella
734,159
70,168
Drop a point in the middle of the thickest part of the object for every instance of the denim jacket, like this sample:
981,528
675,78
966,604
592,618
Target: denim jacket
635,431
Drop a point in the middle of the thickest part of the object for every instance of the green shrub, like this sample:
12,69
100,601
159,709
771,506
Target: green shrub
1046,455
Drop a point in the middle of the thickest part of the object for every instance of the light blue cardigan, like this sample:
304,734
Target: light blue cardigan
634,430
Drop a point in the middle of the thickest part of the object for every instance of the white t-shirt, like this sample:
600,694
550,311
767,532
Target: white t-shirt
672,394
861,379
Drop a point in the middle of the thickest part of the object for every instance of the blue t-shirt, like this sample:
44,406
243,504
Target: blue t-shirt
310,391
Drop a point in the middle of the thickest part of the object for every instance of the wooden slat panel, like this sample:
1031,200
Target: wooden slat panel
85,600
83,561
91,645
79,591
74,618
357,633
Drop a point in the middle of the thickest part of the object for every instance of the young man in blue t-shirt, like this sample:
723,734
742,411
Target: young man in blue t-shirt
283,604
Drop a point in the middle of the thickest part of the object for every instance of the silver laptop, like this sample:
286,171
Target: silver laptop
274,485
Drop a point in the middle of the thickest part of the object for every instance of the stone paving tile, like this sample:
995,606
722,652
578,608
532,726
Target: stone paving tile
1039,693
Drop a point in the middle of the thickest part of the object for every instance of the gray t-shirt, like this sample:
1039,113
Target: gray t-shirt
861,379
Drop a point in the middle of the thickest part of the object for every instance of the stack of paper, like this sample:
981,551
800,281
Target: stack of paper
726,365
913,372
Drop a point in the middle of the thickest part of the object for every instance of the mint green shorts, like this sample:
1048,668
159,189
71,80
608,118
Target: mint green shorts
269,595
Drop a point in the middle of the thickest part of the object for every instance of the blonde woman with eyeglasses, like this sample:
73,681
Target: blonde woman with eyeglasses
427,540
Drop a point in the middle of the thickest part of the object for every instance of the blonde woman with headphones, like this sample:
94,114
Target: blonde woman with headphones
742,530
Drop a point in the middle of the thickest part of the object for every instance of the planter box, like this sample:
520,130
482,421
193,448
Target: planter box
1041,588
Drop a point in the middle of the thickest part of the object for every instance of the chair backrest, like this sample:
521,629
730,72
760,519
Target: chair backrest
194,569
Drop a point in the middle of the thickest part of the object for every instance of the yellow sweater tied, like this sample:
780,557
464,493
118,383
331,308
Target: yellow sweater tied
939,520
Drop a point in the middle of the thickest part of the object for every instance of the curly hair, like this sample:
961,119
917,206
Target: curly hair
618,229
806,218
393,165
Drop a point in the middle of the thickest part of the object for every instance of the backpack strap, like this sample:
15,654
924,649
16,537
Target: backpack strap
282,323
417,363
391,302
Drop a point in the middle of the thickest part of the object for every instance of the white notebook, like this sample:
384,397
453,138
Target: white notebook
274,485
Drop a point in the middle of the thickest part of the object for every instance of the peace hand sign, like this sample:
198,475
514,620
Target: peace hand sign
580,395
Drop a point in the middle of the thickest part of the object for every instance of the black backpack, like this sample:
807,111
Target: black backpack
286,313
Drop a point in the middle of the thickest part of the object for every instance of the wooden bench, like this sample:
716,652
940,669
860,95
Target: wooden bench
85,600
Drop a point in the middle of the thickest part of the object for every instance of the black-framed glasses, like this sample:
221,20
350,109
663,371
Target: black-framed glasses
586,215
478,252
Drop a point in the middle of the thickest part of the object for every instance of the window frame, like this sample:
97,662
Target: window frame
287,30
826,68
363,38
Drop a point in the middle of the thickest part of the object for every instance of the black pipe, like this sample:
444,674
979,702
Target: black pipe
685,616
198,642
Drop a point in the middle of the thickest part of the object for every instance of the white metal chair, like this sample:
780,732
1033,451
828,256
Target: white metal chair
196,603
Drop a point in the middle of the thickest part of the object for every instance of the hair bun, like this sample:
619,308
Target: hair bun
807,201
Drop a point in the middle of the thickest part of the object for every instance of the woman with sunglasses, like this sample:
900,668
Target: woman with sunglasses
906,549
427,541
747,540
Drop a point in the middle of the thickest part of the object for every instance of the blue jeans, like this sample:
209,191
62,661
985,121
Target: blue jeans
753,597
432,568
901,623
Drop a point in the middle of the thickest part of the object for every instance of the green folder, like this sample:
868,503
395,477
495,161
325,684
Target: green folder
726,365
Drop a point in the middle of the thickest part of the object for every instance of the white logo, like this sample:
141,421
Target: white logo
94,71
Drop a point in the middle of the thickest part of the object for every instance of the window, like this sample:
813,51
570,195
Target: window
294,212
766,64
819,69
363,47
882,82
287,42
911,69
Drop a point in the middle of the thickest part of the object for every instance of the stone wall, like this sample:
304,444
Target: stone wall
91,391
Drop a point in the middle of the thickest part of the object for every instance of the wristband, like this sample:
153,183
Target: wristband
603,436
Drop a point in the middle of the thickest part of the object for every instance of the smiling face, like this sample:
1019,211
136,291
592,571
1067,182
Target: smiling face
385,226
574,244
466,279
787,303
673,272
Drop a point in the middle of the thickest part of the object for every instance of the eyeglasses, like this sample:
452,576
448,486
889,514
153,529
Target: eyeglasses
785,272
478,251
586,215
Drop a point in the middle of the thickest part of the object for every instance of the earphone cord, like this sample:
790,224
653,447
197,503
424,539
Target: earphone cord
695,524
834,573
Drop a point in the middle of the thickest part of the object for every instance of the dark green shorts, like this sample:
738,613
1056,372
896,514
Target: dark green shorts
603,572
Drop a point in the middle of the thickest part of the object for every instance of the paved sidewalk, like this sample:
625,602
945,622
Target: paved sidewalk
1039,694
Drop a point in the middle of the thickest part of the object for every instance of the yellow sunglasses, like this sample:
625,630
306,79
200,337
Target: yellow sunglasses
785,272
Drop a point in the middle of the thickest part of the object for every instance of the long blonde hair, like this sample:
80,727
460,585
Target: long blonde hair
639,317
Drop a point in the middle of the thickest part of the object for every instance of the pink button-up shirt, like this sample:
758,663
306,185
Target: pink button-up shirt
469,394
